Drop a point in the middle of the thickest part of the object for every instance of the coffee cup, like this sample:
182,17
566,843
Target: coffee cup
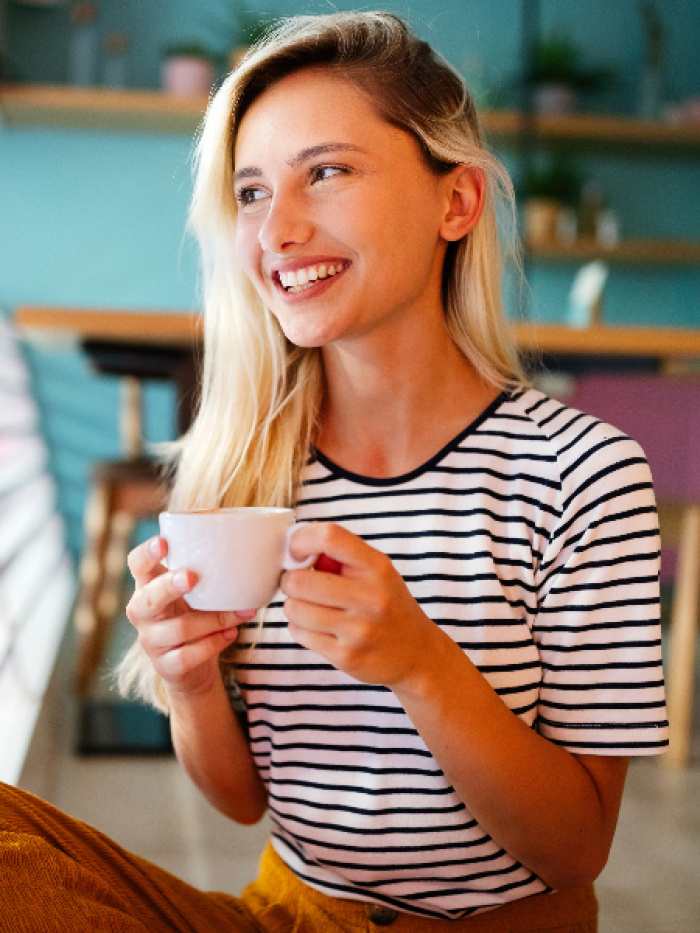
237,554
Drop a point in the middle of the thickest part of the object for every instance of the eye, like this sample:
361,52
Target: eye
249,196
324,172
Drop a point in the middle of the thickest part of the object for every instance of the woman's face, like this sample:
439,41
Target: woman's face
340,220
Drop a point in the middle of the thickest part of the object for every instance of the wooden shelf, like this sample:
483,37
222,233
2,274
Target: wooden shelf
593,129
656,252
102,108
184,328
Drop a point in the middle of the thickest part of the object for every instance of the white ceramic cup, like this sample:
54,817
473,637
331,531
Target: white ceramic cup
237,554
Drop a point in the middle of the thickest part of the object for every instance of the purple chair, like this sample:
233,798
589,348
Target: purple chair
662,413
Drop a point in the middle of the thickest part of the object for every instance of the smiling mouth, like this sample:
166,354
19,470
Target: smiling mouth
299,280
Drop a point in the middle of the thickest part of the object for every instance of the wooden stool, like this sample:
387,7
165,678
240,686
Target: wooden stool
122,493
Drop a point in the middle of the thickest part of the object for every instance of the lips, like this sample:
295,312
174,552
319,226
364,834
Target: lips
305,277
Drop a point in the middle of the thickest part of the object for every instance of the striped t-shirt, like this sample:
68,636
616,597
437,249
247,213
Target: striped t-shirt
531,539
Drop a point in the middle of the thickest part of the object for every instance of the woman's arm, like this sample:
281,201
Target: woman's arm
553,811
184,646
212,748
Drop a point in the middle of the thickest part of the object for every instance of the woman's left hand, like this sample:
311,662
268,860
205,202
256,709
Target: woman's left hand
363,619
530,794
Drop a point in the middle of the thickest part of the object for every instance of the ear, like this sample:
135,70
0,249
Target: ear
465,190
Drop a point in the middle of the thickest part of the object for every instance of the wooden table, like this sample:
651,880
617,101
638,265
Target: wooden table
663,344
150,328
182,330
134,344
163,344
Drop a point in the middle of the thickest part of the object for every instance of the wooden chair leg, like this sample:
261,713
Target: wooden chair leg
97,522
110,602
93,646
684,630
122,493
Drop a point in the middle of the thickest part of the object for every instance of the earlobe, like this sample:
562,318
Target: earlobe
466,191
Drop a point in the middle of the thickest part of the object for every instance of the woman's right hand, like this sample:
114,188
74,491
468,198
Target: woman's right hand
183,644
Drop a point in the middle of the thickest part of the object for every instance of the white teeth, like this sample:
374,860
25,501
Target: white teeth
303,278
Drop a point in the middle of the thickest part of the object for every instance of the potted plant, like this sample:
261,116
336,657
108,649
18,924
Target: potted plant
557,76
550,193
188,68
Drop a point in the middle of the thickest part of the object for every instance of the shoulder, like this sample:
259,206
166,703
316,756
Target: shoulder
584,448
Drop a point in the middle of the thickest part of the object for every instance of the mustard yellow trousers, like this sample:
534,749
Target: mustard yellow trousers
58,874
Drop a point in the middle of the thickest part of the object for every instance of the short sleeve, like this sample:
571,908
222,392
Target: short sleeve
598,618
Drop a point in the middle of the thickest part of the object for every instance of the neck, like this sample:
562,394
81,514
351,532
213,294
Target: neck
387,409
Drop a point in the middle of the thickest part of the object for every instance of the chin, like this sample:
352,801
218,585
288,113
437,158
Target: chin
309,337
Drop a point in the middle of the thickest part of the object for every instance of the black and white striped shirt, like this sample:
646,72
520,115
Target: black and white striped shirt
531,539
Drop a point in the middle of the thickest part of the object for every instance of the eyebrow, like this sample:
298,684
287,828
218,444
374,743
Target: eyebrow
303,156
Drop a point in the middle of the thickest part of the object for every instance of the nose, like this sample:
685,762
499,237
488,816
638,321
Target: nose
286,223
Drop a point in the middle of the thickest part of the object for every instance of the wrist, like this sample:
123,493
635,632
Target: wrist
201,695
427,675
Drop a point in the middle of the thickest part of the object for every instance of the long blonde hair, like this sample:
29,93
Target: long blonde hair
260,394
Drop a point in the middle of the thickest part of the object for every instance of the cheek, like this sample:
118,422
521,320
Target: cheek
405,228
247,247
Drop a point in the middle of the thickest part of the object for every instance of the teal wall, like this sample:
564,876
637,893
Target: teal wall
97,219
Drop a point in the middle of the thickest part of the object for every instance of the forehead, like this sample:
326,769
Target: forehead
306,108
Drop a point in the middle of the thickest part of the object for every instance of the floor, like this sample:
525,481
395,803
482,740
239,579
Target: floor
650,885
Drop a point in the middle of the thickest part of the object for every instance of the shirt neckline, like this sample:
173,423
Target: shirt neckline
341,472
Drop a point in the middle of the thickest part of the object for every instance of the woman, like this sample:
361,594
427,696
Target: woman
441,729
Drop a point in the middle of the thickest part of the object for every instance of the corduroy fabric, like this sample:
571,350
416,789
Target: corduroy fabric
58,874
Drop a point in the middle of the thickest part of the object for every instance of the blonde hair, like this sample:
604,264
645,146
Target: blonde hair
260,394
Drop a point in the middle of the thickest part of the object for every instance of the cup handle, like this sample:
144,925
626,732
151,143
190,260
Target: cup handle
288,562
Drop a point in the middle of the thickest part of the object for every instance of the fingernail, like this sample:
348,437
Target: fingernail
247,614
181,581
154,547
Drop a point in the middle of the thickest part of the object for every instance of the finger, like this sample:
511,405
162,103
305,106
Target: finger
172,633
245,615
325,589
321,643
311,624
332,544
153,600
182,659
145,560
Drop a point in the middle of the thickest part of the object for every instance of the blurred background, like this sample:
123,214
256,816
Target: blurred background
594,106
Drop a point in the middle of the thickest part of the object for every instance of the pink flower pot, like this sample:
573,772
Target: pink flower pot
187,75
